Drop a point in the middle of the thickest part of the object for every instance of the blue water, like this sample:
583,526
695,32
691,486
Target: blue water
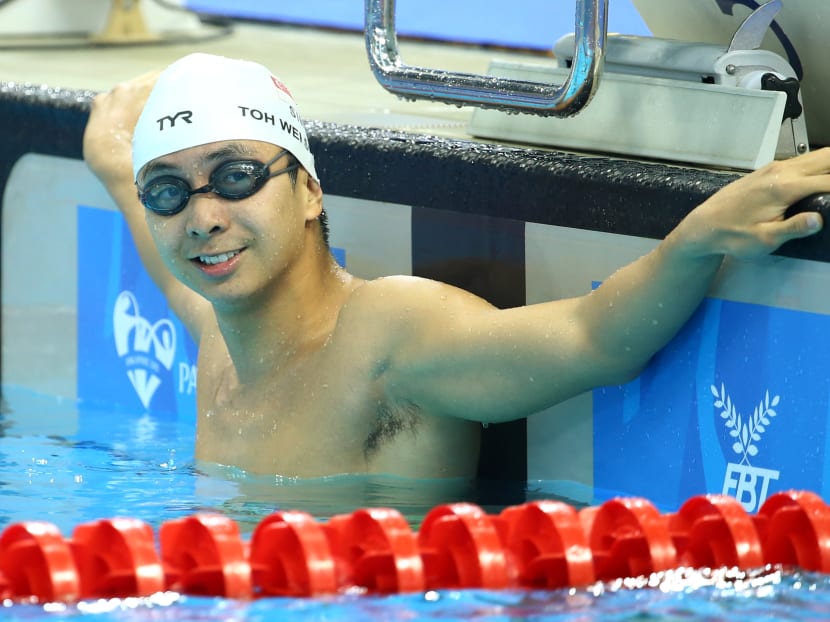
68,464
106,464
675,596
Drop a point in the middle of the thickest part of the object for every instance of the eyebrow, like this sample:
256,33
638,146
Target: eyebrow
232,149
226,151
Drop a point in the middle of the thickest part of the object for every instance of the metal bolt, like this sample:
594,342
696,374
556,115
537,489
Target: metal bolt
731,69
801,148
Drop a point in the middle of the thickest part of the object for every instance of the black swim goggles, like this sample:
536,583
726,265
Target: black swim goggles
234,180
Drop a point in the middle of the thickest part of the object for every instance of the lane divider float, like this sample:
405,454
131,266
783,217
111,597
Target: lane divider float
539,544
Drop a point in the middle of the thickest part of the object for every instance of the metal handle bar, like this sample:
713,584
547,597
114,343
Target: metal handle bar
487,91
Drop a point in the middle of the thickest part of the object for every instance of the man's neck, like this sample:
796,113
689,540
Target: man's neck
286,323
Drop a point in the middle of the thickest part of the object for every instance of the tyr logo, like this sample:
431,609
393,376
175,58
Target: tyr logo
184,115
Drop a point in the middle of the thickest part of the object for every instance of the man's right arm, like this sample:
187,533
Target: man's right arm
108,153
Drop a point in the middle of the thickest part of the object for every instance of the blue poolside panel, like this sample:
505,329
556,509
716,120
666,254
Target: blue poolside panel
133,353
669,430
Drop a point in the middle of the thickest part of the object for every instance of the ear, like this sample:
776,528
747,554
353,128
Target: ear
313,197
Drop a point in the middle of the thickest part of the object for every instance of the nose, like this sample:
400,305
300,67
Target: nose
207,216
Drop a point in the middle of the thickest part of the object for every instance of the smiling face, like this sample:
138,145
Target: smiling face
231,250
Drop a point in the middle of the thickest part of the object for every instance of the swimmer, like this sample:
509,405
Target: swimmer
307,370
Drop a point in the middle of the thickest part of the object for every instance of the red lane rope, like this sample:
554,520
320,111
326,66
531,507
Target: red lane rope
541,544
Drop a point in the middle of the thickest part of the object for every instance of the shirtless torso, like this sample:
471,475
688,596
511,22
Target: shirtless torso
325,411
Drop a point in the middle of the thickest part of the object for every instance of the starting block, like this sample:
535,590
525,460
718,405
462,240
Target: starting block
733,107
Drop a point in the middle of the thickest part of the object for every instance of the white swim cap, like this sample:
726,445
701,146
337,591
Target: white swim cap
202,99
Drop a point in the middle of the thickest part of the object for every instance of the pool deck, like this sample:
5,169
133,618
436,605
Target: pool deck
327,71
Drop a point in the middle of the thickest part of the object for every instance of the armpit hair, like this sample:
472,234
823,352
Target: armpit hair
391,421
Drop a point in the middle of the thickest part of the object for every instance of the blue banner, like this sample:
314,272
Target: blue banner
133,353
737,404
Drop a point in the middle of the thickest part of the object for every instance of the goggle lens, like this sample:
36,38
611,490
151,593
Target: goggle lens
235,180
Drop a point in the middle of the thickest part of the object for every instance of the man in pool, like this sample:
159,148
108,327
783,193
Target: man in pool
306,370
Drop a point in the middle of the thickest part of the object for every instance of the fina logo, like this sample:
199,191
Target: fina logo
152,346
742,479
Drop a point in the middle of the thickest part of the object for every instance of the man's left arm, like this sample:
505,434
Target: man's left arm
457,355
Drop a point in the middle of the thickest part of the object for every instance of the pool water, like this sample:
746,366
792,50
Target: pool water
107,464
671,596
142,466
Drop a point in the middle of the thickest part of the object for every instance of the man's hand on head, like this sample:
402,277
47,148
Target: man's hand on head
107,145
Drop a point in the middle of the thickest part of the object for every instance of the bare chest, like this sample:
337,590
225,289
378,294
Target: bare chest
324,414
306,421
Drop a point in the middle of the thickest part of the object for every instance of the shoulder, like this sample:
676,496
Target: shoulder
392,310
407,300
396,293
380,305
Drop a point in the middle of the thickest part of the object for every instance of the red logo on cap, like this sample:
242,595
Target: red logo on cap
281,86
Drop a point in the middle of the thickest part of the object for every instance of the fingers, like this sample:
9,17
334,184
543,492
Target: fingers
97,102
798,226
806,224
131,93
816,162
786,182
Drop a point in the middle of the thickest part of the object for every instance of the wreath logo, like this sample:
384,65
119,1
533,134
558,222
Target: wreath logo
746,431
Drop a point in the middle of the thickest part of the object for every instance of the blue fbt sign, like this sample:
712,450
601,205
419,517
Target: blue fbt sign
738,403
133,353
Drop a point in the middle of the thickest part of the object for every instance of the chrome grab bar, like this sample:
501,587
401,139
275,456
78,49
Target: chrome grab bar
505,94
